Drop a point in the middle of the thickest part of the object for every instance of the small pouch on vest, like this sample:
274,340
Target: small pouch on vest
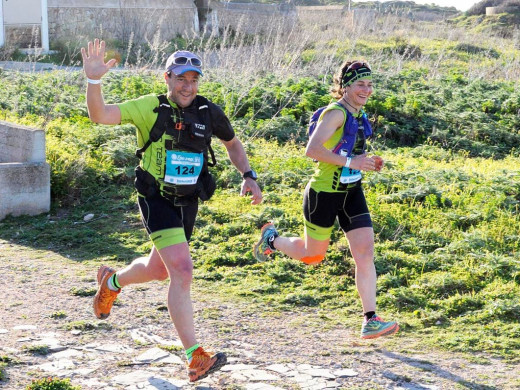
145,183
206,186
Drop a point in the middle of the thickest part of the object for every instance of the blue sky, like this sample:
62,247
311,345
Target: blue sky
461,5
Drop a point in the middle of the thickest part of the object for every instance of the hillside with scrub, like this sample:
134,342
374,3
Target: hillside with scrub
446,116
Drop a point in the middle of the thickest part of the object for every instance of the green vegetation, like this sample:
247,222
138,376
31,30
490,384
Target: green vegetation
87,325
503,24
404,7
480,7
51,384
445,208
58,315
172,348
83,292
386,6
36,349
3,374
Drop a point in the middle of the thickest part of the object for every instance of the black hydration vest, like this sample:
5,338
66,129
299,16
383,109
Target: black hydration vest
185,130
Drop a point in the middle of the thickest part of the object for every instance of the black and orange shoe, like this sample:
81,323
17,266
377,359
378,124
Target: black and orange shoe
203,363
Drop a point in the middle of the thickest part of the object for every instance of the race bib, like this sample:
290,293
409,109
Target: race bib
183,168
349,175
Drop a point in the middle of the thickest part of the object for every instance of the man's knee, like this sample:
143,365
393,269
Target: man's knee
183,265
181,269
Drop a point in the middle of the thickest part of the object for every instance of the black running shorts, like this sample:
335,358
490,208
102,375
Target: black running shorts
166,223
321,209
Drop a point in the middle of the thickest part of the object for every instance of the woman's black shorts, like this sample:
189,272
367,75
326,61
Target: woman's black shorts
322,208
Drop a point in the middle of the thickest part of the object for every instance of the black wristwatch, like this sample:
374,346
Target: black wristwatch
251,174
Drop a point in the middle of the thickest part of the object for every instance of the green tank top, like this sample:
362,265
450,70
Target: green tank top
326,176
141,113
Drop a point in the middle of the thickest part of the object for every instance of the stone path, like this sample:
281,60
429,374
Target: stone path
47,329
154,367
141,358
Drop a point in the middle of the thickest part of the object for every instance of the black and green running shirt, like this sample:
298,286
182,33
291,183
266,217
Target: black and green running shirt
141,113
326,176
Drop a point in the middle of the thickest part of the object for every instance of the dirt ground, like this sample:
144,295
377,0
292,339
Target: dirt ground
39,287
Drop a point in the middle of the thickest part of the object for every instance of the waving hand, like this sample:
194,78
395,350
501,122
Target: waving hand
94,63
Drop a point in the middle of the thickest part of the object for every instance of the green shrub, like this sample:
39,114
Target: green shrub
282,129
301,299
3,374
474,49
51,384
83,292
405,49
36,349
58,315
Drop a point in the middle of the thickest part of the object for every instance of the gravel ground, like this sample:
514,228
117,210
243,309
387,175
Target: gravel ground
265,350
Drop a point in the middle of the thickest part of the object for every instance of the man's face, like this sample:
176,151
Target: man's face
182,89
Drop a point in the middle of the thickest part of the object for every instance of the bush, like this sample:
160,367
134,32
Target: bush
3,374
51,384
474,49
282,129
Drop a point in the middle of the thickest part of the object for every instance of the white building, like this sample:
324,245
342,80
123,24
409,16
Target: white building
20,15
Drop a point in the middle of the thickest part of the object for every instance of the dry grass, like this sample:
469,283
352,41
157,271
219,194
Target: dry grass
313,46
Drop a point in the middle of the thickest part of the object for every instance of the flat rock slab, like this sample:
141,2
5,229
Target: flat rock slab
255,375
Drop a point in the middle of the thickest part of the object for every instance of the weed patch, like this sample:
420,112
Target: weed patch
87,325
52,384
83,292
36,349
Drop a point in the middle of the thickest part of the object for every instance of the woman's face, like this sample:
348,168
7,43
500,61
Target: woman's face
359,92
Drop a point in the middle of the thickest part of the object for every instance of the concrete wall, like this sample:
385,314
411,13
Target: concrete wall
253,18
149,20
117,19
24,175
21,143
335,16
499,10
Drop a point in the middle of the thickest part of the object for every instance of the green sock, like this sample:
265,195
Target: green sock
112,283
189,352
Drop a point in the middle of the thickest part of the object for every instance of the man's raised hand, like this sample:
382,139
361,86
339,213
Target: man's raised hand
94,64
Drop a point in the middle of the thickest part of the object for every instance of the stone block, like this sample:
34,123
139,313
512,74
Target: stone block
24,175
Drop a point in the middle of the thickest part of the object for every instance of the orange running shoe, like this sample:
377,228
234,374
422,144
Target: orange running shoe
202,364
105,297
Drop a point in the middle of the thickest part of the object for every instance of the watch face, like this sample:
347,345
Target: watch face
251,174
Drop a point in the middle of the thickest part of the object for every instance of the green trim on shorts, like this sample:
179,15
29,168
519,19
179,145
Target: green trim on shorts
166,237
317,232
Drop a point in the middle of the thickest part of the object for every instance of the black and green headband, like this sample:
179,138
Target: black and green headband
351,75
